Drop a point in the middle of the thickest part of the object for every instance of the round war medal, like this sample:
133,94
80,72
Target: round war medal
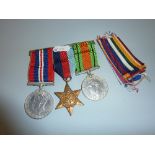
94,88
39,104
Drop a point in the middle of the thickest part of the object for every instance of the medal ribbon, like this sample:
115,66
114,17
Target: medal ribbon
116,65
71,59
61,64
123,48
41,67
85,56
127,67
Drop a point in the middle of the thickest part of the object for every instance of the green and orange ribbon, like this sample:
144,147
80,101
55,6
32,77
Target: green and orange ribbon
85,56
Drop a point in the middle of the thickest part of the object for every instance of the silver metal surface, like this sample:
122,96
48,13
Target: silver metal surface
39,104
94,88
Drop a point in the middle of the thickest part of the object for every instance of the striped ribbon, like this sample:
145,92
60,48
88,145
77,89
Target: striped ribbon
85,56
126,66
61,64
41,67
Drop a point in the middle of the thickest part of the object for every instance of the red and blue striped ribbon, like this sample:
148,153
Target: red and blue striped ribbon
61,64
41,66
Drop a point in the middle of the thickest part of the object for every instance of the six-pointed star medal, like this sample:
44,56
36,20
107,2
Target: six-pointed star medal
68,99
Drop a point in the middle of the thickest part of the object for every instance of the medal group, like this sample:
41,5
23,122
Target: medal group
78,58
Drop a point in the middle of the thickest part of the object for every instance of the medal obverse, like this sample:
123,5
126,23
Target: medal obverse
94,88
68,99
39,104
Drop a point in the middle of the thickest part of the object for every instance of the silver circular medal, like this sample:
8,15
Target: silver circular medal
39,104
94,88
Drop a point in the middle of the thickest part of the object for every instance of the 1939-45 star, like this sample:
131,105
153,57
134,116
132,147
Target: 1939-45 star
68,99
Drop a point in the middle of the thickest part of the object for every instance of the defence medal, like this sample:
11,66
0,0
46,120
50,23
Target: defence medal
93,87
40,103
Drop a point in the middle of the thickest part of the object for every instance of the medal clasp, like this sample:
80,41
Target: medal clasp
89,73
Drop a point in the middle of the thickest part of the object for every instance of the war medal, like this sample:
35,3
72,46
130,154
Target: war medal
40,73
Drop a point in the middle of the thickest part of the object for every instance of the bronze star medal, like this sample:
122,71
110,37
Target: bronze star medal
68,99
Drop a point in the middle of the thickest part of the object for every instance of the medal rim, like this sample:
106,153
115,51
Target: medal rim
30,114
99,78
